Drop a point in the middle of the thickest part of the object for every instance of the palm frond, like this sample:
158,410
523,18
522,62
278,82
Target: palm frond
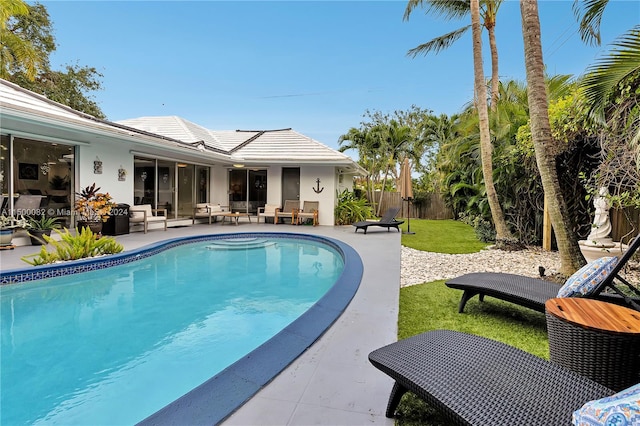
447,9
607,72
439,43
590,20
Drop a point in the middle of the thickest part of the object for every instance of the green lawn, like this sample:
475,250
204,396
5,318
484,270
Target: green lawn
441,236
433,306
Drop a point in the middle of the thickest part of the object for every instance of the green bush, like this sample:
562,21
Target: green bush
484,229
72,247
351,209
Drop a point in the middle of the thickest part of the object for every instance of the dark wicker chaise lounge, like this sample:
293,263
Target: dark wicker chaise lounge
387,221
533,292
477,381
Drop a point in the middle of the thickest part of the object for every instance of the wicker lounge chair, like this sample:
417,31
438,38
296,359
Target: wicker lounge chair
387,221
533,292
477,381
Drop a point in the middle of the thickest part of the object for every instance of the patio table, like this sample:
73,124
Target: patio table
596,339
235,215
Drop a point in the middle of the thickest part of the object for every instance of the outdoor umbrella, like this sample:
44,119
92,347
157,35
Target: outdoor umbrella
406,190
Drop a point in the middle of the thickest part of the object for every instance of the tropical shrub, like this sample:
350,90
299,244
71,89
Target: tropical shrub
485,231
351,209
72,247
93,206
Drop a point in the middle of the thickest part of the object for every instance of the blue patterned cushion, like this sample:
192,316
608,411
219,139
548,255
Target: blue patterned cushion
621,409
588,277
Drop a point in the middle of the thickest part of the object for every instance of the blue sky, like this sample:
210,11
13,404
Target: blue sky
315,66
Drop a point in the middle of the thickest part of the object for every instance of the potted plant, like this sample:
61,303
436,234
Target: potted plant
7,225
39,226
93,208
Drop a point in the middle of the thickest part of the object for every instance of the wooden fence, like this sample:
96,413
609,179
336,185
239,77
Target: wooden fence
624,224
432,208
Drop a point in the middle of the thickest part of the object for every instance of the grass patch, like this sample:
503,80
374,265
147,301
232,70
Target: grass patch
441,236
433,306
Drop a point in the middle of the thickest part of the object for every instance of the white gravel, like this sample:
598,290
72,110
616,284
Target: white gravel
418,267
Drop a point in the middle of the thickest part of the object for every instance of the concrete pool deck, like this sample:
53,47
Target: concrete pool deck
332,383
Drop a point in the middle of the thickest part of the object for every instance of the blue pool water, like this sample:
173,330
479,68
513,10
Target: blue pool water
113,346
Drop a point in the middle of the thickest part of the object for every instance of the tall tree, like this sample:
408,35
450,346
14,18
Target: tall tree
486,149
567,240
16,51
457,9
33,29
487,9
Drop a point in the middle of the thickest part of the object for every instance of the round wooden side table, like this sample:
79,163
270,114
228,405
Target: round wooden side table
596,339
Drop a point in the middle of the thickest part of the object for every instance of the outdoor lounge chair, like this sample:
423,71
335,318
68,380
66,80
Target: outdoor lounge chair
309,211
144,214
534,292
289,210
205,210
269,210
387,221
473,380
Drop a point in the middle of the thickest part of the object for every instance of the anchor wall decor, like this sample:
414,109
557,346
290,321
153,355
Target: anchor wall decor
318,189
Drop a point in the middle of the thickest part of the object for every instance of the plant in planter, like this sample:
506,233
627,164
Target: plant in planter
7,225
93,208
39,226
73,247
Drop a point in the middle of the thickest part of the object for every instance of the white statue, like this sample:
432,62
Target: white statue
601,228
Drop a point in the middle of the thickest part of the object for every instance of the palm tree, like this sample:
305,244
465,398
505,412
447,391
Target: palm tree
16,52
395,142
486,149
456,9
488,9
566,238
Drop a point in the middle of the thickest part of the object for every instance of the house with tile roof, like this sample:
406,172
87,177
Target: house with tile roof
52,151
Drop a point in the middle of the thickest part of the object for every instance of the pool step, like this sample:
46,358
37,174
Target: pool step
240,243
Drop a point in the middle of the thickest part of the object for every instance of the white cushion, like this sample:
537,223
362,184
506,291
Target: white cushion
620,409
202,208
215,208
588,277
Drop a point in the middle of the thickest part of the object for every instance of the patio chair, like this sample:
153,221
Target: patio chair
144,214
532,293
269,210
309,211
28,205
205,210
289,210
387,221
473,380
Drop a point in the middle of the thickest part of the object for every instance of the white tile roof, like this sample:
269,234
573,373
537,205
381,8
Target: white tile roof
17,98
284,146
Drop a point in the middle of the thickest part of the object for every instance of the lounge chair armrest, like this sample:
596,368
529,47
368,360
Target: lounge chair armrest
143,211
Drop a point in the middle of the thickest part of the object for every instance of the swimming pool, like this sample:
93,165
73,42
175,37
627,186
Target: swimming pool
217,397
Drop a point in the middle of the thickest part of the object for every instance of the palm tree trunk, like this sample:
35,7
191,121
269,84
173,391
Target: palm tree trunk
495,78
384,183
502,231
567,240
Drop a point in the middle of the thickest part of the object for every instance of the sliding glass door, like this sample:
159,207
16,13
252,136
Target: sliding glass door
247,190
176,187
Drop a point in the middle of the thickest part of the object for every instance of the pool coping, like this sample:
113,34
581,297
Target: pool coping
220,396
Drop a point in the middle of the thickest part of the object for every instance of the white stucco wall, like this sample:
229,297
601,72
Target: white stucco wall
113,156
274,185
326,174
219,186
